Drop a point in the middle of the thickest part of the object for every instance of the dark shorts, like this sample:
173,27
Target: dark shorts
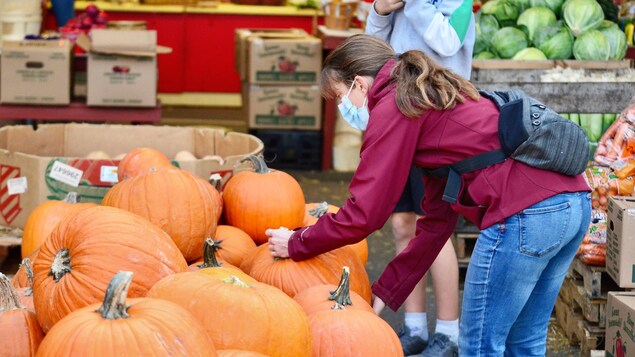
410,200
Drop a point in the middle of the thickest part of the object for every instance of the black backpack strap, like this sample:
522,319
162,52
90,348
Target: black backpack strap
454,171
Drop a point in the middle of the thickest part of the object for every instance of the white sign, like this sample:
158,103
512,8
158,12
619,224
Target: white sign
17,185
108,174
66,174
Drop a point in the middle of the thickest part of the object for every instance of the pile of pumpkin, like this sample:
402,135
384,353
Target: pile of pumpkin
113,279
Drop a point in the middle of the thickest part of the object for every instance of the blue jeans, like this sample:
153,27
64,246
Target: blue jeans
515,274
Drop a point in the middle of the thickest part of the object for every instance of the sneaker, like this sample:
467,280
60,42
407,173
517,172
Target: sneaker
411,345
441,346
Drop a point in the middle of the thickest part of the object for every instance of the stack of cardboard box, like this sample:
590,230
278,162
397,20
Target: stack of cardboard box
122,70
620,265
279,70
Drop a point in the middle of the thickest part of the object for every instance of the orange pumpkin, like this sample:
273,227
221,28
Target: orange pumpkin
293,277
213,188
261,199
140,161
239,315
321,297
21,334
20,279
210,260
359,333
234,244
176,201
239,353
136,327
316,210
45,217
75,262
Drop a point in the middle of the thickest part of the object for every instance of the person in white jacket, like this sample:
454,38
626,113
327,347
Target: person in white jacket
445,31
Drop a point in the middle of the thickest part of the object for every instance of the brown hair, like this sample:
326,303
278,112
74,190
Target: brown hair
421,83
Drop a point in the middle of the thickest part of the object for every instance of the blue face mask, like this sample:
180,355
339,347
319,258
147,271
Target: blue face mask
356,117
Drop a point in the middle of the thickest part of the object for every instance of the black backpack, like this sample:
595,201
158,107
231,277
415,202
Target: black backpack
529,132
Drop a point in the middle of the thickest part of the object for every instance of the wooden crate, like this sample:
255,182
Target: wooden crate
587,335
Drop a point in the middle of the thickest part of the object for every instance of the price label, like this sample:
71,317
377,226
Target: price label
66,174
17,185
108,174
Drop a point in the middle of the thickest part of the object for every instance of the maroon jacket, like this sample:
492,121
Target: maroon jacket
392,143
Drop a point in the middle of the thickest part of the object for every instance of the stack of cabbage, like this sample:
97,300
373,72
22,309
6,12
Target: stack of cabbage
547,29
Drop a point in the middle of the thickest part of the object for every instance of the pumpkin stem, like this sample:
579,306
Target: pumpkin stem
114,305
9,299
260,166
61,264
26,263
72,197
234,280
216,181
342,295
209,254
319,210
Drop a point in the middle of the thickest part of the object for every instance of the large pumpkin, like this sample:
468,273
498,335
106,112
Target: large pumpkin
174,200
316,210
261,199
134,327
239,315
139,161
359,333
321,297
233,243
76,261
293,277
45,217
20,334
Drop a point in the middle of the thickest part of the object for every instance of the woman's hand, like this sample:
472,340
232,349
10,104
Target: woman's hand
378,304
279,242
385,7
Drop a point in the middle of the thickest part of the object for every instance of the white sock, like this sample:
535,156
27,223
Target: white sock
449,328
417,322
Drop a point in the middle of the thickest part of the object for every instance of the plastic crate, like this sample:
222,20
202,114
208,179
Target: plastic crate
292,149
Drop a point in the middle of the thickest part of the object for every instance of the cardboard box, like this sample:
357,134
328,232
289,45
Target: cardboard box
36,72
47,163
122,67
620,241
283,107
278,57
620,324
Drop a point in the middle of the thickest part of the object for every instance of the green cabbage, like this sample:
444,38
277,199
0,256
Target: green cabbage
529,54
536,18
522,5
616,39
508,41
553,5
555,41
582,15
505,11
486,27
591,45
485,55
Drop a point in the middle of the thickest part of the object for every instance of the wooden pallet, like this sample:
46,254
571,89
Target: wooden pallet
589,336
592,309
464,244
597,283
